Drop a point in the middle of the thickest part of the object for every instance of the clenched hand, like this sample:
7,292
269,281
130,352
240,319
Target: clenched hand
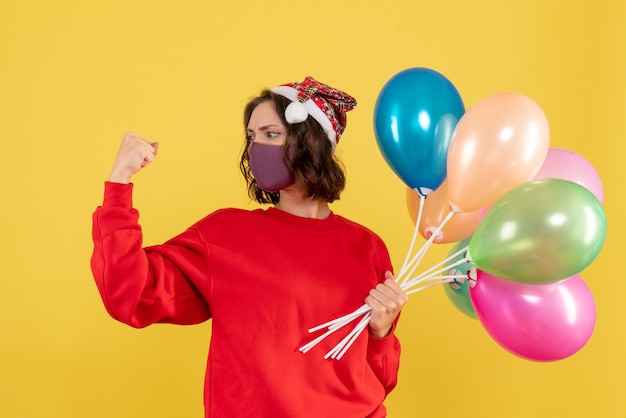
134,154
386,301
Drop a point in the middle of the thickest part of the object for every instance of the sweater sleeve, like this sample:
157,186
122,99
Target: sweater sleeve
383,356
140,286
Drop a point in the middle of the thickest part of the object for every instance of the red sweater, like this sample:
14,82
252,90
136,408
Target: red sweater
264,277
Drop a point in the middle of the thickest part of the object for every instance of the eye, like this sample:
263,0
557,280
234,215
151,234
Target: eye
250,138
272,134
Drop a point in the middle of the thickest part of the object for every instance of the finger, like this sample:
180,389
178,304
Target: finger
394,287
374,304
382,292
147,159
147,149
390,288
134,138
388,296
383,301
390,280
380,322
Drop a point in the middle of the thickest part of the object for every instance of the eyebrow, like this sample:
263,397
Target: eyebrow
264,128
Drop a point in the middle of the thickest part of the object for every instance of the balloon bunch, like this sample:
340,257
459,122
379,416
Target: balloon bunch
525,257
527,218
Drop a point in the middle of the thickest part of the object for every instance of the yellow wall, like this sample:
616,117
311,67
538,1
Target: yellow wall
75,75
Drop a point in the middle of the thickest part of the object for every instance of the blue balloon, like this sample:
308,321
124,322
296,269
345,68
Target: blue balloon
414,117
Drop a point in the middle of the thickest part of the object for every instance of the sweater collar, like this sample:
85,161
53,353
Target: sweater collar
331,222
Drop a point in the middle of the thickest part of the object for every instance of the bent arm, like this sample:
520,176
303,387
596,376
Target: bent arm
140,286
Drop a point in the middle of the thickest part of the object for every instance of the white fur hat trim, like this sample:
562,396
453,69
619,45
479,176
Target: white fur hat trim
310,107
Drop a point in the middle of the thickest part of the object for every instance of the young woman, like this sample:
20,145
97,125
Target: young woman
264,276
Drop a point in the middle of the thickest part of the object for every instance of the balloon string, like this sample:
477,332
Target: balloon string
415,281
334,325
305,348
350,317
338,323
403,278
419,289
414,263
451,257
339,350
342,347
417,226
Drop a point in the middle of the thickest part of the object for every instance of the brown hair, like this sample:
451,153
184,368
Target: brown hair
313,163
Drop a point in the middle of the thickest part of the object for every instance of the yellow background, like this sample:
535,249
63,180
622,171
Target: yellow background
75,75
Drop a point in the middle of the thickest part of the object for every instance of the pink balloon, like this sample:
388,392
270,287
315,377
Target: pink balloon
484,211
536,322
567,165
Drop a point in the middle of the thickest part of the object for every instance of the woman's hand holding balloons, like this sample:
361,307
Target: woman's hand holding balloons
386,301
134,154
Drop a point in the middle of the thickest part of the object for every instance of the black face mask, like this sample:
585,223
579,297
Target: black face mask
268,167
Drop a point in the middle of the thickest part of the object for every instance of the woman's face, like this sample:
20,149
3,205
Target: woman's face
265,126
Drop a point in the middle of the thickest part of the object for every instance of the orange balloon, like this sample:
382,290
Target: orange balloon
498,144
462,225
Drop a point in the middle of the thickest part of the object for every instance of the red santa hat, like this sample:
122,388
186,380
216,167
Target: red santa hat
327,105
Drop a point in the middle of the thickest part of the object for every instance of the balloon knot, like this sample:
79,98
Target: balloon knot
472,276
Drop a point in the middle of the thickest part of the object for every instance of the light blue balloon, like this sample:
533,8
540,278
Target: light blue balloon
414,117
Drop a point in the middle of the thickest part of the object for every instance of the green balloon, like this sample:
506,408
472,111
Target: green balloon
539,232
458,292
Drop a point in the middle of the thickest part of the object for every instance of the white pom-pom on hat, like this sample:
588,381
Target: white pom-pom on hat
296,112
